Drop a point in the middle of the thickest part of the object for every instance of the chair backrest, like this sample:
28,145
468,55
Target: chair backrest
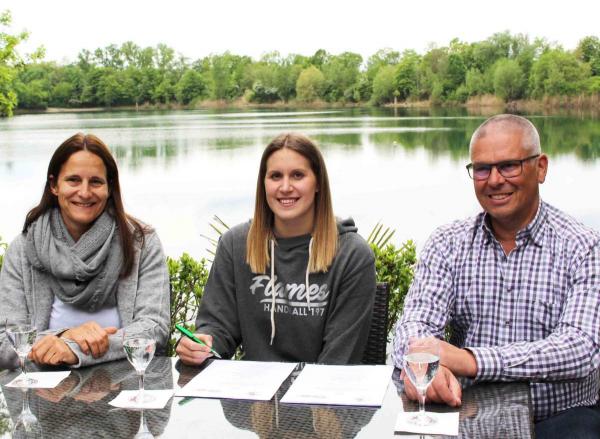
375,351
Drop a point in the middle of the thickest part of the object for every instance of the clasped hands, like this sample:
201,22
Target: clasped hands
445,388
91,338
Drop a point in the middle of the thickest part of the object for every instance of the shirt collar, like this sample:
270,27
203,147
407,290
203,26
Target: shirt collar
533,230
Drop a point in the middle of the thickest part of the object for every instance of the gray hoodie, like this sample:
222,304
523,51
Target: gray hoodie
331,328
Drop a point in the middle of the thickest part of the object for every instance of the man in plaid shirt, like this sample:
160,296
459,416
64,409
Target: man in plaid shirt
519,286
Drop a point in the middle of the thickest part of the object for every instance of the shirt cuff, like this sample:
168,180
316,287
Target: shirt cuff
489,363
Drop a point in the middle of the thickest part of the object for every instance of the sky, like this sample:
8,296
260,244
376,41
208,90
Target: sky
199,28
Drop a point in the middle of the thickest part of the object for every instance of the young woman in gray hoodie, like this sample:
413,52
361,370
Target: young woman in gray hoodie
293,284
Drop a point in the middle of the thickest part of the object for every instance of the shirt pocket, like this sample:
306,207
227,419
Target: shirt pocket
536,318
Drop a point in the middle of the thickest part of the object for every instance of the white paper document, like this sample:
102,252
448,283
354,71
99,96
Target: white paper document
447,424
256,380
43,380
340,385
126,399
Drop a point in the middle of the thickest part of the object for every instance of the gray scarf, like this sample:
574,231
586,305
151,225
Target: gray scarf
83,274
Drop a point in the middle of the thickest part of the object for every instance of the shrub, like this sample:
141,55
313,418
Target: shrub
188,278
395,265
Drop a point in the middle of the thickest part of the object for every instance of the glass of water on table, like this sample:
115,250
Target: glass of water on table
139,349
21,334
421,362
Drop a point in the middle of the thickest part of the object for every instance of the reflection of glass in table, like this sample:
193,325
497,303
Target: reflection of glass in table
79,408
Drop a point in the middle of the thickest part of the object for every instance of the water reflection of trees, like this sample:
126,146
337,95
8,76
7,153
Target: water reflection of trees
442,132
348,141
558,136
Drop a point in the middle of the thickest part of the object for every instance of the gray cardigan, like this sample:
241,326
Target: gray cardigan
143,300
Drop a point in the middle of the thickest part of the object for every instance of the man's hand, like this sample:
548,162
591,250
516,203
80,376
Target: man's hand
192,353
91,338
444,388
52,351
460,361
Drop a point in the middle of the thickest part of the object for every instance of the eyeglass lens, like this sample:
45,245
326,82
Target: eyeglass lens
506,169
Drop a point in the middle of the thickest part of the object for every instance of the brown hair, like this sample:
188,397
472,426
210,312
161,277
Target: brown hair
129,228
325,235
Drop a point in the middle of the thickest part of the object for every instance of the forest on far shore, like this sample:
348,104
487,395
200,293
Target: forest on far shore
510,67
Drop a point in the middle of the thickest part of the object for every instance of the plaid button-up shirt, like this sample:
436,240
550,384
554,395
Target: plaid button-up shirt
531,315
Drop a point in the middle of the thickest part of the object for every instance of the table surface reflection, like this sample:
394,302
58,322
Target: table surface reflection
78,408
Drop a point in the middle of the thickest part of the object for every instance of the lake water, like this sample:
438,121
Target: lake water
403,168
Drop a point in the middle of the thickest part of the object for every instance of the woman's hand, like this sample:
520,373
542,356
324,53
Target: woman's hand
192,353
51,350
91,338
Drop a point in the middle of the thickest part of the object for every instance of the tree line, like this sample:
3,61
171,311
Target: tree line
508,66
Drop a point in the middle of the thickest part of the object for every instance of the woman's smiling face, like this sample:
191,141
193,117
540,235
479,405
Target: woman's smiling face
82,191
290,187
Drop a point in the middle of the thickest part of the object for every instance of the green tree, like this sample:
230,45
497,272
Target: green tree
588,51
558,73
110,90
10,61
384,88
475,83
310,84
509,80
62,94
407,75
341,74
226,75
164,92
190,86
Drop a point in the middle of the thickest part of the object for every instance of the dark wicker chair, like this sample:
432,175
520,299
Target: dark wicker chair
375,352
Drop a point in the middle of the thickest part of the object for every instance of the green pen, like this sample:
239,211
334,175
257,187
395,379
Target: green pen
191,336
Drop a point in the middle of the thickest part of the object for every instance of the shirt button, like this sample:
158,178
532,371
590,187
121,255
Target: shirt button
507,322
509,289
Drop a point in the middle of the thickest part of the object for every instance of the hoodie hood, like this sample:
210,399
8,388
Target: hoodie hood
346,226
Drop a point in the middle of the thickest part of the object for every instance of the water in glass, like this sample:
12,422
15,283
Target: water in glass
421,363
140,352
22,336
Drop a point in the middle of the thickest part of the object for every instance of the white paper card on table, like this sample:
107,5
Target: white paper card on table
340,385
255,380
44,380
126,399
447,424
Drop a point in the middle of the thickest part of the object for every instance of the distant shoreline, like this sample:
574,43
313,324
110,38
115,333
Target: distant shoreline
479,105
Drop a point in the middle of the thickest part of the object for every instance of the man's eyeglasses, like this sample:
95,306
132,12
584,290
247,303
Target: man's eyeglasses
507,168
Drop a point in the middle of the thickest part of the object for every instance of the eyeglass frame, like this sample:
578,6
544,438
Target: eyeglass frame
497,164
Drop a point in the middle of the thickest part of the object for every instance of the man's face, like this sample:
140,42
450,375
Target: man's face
512,202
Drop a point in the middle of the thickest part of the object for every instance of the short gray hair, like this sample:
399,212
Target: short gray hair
531,138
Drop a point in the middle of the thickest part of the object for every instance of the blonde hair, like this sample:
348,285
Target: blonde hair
325,234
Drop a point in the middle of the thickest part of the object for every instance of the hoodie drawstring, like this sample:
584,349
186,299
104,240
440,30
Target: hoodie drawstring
307,284
272,282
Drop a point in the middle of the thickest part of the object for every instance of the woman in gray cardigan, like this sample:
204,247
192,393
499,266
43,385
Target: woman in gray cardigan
82,270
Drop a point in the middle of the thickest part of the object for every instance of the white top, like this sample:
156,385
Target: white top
64,315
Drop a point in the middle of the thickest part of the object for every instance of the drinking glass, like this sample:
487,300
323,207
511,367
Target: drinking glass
143,432
21,334
27,425
421,362
139,348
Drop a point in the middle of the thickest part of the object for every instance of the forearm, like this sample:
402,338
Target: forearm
115,352
566,355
